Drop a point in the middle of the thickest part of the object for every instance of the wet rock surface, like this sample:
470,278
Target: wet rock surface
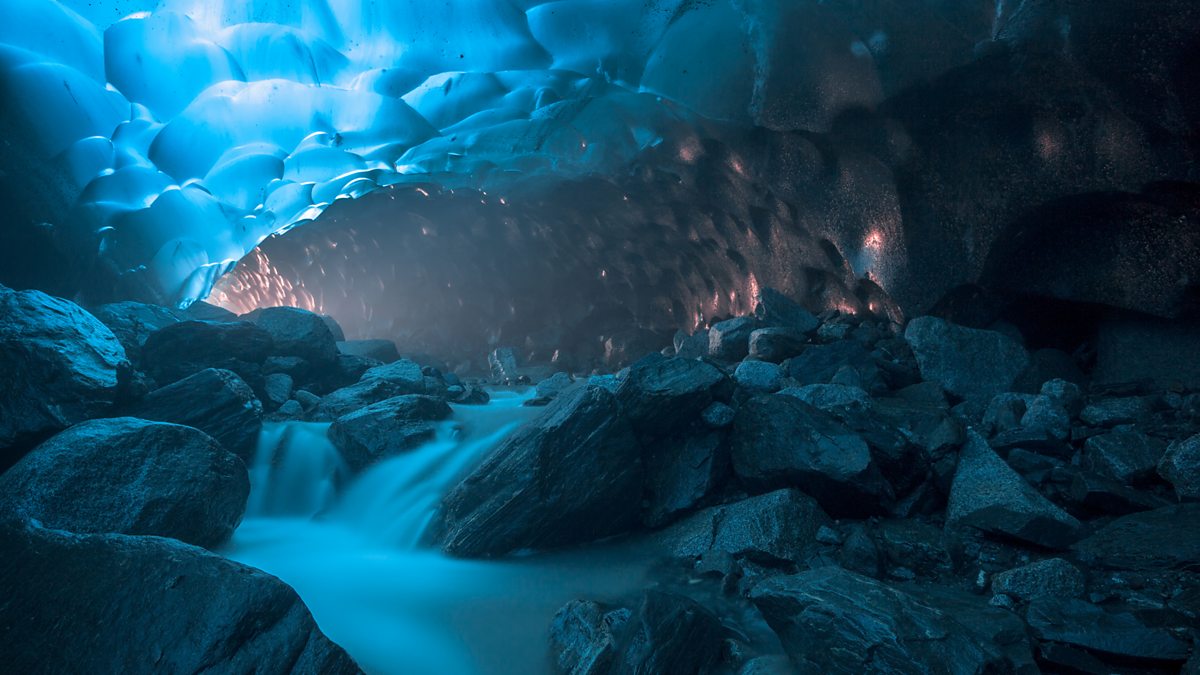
130,476
59,365
214,401
148,604
387,428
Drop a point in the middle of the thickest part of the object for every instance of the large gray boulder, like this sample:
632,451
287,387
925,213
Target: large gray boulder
217,402
297,332
730,340
990,496
1166,538
173,352
834,621
58,365
660,395
110,603
398,378
570,476
132,322
130,476
780,441
387,428
967,362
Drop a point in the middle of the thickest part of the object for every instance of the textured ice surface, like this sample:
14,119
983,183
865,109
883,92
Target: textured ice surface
193,129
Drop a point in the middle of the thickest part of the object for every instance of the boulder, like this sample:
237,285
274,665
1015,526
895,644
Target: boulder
820,364
1163,539
398,378
1180,465
277,388
203,311
584,635
149,605
831,398
730,340
834,621
503,364
776,527
990,496
967,362
661,395
1103,495
334,327
132,322
681,471
554,385
773,308
670,633
1050,578
173,352
777,344
130,476
214,401
59,366
570,476
691,346
758,377
1118,635
1110,412
297,332
383,351
1127,456
780,441
387,428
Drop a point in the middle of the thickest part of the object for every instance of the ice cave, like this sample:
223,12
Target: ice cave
600,337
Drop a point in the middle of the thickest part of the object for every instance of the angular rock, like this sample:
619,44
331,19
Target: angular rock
130,476
1113,634
214,401
503,363
819,364
1130,457
173,352
670,633
1180,465
387,428
1163,539
297,332
680,472
571,476
758,377
834,621
1105,495
149,605
777,344
776,527
554,385
399,378
583,637
780,441
59,367
691,346
967,362
1005,411
773,308
916,546
1050,578
730,340
1048,417
132,322
1110,412
831,397
661,395
383,351
1065,393
989,496
203,311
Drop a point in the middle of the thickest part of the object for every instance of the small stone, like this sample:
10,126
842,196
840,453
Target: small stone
718,415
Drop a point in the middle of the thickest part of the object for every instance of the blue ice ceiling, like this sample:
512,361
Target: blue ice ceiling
190,130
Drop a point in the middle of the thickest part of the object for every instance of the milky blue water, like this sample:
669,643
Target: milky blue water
350,546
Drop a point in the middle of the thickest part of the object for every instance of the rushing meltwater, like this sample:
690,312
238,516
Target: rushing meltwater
352,548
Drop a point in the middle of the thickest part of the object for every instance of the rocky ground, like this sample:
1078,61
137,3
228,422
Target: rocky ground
827,494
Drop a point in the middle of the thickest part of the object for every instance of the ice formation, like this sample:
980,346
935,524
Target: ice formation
188,131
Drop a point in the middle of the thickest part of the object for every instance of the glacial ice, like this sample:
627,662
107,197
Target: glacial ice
193,129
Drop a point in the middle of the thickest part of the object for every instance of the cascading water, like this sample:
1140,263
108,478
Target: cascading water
351,547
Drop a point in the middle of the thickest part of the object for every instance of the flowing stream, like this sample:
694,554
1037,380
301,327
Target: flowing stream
351,547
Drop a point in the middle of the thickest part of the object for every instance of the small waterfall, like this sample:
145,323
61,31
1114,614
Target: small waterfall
351,547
